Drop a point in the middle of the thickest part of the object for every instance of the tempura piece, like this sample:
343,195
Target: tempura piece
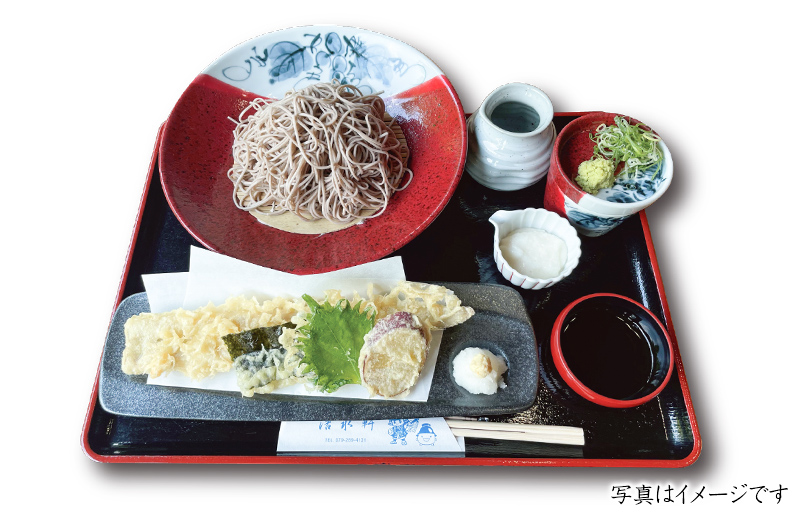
190,342
393,355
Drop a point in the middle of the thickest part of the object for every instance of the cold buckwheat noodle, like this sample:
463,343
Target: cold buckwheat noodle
322,152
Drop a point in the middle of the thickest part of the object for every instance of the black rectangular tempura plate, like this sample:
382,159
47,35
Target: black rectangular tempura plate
456,247
500,324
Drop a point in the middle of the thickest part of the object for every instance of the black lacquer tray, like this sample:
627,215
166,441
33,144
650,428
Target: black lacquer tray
456,247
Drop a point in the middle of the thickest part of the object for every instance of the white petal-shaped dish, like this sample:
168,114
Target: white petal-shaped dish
507,221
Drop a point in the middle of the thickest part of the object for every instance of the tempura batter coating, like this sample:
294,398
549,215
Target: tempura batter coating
190,342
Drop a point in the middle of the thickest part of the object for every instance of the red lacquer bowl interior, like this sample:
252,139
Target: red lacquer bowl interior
573,145
195,156
604,361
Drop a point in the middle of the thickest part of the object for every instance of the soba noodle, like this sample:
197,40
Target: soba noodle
320,152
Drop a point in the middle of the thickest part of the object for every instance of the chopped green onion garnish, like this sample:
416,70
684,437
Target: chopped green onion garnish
631,144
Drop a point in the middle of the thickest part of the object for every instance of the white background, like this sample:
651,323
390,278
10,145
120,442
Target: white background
87,84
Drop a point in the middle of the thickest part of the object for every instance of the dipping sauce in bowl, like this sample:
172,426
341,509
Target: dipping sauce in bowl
516,117
612,350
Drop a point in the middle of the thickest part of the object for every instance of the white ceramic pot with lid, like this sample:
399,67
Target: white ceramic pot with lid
511,137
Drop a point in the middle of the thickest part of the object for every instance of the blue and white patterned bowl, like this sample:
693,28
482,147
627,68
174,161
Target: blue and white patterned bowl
598,214
595,215
634,192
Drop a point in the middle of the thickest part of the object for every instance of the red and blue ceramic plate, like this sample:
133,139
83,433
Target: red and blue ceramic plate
196,149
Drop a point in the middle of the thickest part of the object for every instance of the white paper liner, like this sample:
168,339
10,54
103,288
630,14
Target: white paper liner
213,277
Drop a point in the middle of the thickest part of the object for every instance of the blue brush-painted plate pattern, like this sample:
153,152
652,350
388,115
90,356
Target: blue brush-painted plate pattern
587,224
278,62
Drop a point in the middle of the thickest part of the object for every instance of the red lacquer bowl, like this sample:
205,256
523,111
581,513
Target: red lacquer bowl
595,215
611,350
195,153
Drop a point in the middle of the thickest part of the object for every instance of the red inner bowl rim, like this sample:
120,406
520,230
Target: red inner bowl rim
566,134
575,383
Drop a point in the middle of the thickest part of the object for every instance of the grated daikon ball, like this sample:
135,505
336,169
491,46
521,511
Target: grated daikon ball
479,371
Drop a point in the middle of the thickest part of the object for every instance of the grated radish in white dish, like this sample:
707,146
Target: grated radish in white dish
479,371
534,253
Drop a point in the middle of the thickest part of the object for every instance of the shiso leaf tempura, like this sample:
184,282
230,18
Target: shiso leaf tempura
331,342
631,144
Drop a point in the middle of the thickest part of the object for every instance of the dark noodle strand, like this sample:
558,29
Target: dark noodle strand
321,152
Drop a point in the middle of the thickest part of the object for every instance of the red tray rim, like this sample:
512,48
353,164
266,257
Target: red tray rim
405,461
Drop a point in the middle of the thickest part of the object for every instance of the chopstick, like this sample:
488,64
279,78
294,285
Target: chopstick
471,427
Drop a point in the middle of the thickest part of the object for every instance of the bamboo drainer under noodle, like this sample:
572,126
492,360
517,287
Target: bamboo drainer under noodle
322,152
